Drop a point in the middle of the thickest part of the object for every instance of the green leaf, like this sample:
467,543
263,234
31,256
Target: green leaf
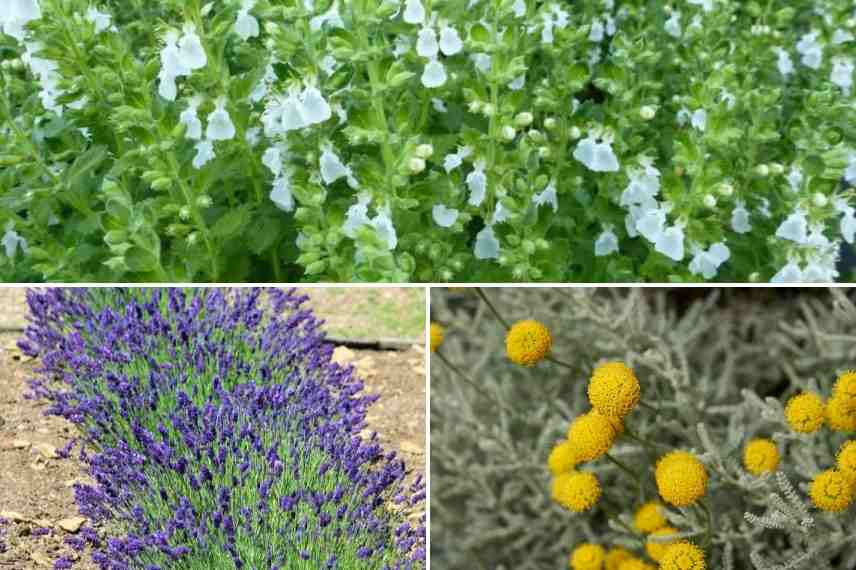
140,260
230,223
85,163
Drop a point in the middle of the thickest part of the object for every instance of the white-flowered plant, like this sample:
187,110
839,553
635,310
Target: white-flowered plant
427,140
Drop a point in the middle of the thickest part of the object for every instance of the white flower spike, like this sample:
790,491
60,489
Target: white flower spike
246,25
434,74
450,41
189,118
606,243
426,43
101,20
281,195
220,126
204,154
414,12
443,216
477,183
487,246
190,51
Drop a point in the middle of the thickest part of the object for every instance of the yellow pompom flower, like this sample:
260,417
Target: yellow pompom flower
588,557
831,491
562,458
846,460
527,342
656,549
438,333
841,413
577,491
805,412
845,386
649,518
635,564
681,478
761,455
615,557
683,556
613,389
591,435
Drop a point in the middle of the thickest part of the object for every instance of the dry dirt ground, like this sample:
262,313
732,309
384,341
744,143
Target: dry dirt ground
36,487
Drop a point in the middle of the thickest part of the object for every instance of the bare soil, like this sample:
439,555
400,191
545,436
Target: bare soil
36,489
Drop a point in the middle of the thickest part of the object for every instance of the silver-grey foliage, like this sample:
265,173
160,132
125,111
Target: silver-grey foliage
718,367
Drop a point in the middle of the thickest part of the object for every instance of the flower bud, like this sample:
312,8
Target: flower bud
647,112
820,200
488,110
544,152
184,213
475,106
755,277
161,183
542,244
528,246
415,165
726,189
536,135
550,123
776,168
204,201
193,238
446,275
424,151
762,170
710,201
508,133
523,119
574,133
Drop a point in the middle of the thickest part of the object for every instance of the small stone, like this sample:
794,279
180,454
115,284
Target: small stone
343,355
41,559
13,516
37,466
71,524
46,450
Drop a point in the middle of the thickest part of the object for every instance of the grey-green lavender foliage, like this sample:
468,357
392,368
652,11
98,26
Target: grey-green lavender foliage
717,365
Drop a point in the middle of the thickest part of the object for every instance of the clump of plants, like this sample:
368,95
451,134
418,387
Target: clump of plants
426,140
636,430
218,433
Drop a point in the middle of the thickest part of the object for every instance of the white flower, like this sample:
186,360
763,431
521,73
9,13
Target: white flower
706,263
500,214
220,127
101,20
382,223
190,119
784,63
48,73
281,194
519,8
330,18
651,224
453,160
699,119
707,5
487,246
848,227
16,15
790,273
642,189
315,107
596,156
414,12
439,105
190,51
841,37
794,228
332,167
811,50
167,87
434,74
272,158
204,154
443,216
246,24
795,178
12,241
547,196
842,73
850,171
518,83
482,61
596,31
606,243
426,43
357,216
671,243
673,25
260,91
450,41
740,219
253,136
477,183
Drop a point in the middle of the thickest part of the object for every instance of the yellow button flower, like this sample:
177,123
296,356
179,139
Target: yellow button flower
681,478
438,333
615,557
614,389
683,556
761,455
846,460
527,342
591,435
588,557
841,413
649,517
805,412
577,491
635,564
656,549
845,386
562,458
831,491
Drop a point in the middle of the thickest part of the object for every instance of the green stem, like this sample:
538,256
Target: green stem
555,360
630,472
649,406
492,308
472,383
708,537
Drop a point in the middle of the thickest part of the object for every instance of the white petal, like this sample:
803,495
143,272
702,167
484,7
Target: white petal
671,243
272,158
604,159
426,43
220,127
332,168
434,74
192,123
740,220
382,223
719,253
790,273
794,228
190,51
673,25
477,183
246,25
356,217
100,19
519,8
651,224
699,119
487,246
500,214
518,83
167,87
315,107
547,196
452,161
606,244
281,194
585,151
204,154
450,41
414,12
848,227
443,216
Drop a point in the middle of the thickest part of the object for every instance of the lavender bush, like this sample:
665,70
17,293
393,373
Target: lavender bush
218,434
